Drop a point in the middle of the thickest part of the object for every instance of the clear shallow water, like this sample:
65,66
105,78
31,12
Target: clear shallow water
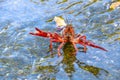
23,56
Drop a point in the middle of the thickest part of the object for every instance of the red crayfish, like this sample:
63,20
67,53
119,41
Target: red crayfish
67,35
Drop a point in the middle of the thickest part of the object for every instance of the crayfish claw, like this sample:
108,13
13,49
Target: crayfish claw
37,29
32,33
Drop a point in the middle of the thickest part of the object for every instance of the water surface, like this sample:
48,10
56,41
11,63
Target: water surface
26,57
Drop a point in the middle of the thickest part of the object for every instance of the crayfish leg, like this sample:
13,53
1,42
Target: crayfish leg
83,37
50,46
76,49
60,46
85,49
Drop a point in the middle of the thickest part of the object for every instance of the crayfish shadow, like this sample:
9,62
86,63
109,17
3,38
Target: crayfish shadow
69,59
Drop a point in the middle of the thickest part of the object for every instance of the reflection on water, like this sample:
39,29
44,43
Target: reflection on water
71,5
63,1
68,64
